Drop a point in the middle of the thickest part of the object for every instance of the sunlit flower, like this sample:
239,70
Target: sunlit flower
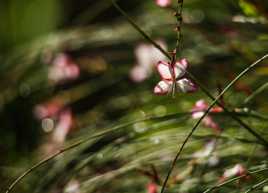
169,75
163,3
146,55
63,68
198,111
237,170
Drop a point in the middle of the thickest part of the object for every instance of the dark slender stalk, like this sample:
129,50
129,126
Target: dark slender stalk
132,22
179,18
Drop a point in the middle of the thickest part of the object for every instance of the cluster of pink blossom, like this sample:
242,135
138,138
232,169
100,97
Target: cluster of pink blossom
236,171
146,55
63,68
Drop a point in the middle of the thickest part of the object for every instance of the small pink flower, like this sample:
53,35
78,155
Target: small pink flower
146,55
198,111
163,3
237,170
63,68
151,188
167,74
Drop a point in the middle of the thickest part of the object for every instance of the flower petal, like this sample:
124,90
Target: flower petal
180,68
164,70
186,85
163,87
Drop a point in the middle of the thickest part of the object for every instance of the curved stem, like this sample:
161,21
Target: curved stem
83,141
263,141
179,26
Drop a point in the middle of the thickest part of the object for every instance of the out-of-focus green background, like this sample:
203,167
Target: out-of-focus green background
220,38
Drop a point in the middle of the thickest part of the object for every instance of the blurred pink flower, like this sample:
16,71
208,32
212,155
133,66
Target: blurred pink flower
237,170
163,3
63,126
151,188
62,123
167,75
198,111
207,150
146,55
63,68
48,109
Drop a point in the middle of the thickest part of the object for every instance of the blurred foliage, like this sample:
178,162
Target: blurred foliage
220,38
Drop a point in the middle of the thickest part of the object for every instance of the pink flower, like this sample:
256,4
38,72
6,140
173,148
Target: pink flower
198,111
63,68
170,75
163,3
151,188
147,55
237,170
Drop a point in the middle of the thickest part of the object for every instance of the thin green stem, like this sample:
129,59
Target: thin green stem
263,141
257,186
179,26
233,179
83,141
256,92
